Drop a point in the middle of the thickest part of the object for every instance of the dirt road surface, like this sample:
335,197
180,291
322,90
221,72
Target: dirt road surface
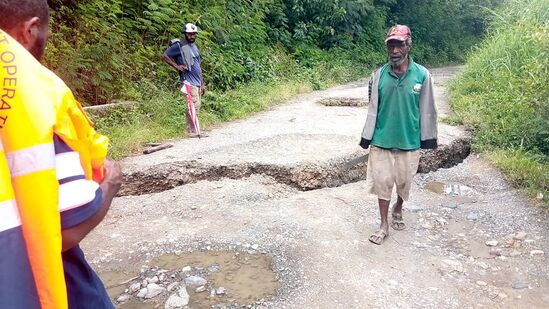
267,212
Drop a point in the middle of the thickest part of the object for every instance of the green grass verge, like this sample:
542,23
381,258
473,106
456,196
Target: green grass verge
503,95
162,116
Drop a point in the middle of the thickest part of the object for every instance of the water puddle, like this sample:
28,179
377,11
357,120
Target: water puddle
116,282
245,278
448,189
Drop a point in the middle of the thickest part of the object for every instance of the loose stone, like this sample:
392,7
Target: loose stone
537,253
491,243
520,236
186,269
200,289
179,300
195,281
134,287
123,298
220,291
520,285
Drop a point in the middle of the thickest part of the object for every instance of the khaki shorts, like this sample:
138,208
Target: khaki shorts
387,168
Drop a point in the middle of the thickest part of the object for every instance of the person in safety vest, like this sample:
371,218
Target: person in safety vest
56,184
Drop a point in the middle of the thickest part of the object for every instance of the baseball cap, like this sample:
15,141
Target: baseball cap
189,27
398,32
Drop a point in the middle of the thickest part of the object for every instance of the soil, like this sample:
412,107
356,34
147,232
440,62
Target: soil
274,210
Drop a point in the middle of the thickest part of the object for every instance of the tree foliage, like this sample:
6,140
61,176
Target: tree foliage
111,49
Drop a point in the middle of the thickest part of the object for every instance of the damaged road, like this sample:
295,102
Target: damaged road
267,212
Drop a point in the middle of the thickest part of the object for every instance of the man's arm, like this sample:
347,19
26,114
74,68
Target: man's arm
110,186
169,60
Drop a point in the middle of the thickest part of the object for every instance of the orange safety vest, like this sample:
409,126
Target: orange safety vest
34,105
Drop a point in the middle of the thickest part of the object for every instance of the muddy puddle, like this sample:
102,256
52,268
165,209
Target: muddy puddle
244,279
448,189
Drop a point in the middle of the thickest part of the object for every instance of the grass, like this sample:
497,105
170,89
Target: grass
503,95
162,116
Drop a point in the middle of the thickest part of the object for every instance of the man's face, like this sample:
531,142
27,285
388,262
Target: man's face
190,36
397,51
38,44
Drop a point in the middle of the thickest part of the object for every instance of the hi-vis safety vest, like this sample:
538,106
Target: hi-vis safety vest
34,105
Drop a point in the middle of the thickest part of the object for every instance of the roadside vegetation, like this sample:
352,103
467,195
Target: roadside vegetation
256,53
503,95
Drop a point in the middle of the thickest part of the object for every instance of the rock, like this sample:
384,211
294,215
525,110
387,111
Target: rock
195,281
481,283
514,253
454,265
495,252
193,207
255,246
451,205
529,241
162,277
152,290
472,216
537,253
153,279
212,292
413,207
172,286
142,293
520,285
502,295
520,236
179,300
186,269
200,289
123,298
134,287
491,243
220,291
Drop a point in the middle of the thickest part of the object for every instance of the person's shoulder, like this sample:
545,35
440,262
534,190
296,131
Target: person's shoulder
421,69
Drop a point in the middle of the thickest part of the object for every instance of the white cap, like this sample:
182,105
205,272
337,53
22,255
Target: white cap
190,28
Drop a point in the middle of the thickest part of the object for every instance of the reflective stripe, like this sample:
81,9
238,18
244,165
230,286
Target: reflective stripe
68,165
9,215
76,193
31,160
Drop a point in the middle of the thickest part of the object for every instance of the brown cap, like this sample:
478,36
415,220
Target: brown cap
398,32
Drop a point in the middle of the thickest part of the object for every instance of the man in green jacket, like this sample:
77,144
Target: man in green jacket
401,119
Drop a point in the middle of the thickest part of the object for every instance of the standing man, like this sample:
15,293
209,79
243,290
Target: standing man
185,57
55,183
401,119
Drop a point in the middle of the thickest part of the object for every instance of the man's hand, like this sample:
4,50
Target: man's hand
182,68
113,177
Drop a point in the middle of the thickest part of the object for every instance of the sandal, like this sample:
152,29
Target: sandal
378,237
398,223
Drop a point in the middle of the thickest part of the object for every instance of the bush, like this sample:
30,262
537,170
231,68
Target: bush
503,94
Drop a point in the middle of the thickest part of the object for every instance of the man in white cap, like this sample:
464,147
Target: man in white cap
185,58
401,119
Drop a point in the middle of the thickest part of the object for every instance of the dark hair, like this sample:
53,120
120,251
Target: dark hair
15,12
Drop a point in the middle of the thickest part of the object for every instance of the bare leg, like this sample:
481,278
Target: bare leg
379,236
398,222
383,211
397,207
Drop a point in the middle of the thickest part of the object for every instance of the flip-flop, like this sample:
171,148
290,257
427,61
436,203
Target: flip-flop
378,237
398,223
